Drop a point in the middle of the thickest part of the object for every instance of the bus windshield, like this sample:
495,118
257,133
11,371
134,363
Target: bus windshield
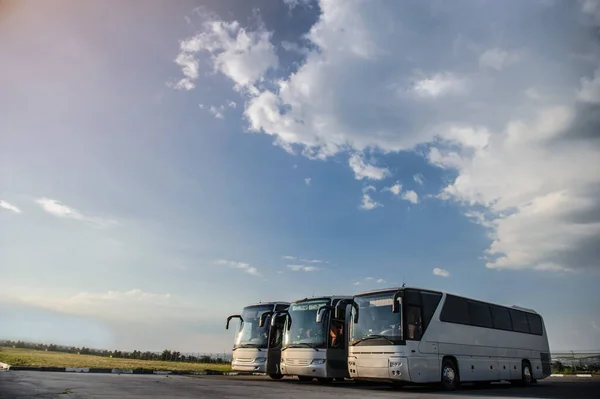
376,322
304,329
250,334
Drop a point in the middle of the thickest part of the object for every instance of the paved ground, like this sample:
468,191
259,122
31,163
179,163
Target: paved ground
31,384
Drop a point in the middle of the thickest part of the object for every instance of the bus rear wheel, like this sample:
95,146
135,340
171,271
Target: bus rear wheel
450,378
276,376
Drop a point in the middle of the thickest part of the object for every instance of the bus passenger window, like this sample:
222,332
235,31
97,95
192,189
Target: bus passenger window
413,318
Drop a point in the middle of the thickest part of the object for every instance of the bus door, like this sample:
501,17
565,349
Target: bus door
275,342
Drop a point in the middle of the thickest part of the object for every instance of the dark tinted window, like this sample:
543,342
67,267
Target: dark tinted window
280,307
519,320
501,318
480,314
414,322
535,324
430,301
455,310
412,297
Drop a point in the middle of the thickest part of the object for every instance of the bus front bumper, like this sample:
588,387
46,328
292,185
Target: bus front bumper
379,368
249,366
310,368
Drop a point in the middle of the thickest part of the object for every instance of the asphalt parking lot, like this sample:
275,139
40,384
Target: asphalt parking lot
31,384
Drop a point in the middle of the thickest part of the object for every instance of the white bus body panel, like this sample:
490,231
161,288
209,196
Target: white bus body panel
304,362
483,354
249,359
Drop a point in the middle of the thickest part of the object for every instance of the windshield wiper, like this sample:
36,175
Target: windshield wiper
250,346
301,344
373,336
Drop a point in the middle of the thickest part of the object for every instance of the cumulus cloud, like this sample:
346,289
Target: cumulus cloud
9,207
363,170
367,202
375,280
411,196
217,112
419,179
58,209
241,55
395,189
441,272
307,181
304,268
532,165
246,267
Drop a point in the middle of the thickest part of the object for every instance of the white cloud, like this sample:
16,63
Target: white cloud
289,257
411,196
304,260
590,89
307,181
368,203
441,272
362,170
532,165
232,104
296,3
304,268
395,189
246,267
591,7
189,67
143,306
217,112
370,279
498,59
201,106
61,210
9,207
438,85
241,55
419,179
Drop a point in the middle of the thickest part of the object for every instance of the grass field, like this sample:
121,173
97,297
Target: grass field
29,357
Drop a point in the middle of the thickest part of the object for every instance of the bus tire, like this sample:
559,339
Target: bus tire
450,380
276,376
526,374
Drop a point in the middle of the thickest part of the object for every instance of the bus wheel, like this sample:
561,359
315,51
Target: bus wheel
325,380
276,376
526,376
340,379
450,378
305,378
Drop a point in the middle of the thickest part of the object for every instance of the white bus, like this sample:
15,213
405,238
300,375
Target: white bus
412,335
315,343
258,341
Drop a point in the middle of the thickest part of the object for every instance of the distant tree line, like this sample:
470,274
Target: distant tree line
165,355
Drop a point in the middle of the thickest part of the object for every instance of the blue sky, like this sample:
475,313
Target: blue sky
162,166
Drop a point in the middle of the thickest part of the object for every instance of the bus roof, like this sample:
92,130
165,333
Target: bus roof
382,290
268,303
324,297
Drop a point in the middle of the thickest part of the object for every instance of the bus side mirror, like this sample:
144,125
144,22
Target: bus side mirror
322,311
355,306
289,322
396,303
276,315
233,316
263,317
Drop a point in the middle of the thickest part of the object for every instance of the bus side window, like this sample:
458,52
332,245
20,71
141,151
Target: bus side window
415,324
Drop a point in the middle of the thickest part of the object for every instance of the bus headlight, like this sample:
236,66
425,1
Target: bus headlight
318,361
260,359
